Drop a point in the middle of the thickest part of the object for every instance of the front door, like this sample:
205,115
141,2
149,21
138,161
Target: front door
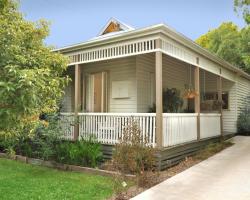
96,92
97,78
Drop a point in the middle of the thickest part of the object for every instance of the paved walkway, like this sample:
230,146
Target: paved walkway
225,176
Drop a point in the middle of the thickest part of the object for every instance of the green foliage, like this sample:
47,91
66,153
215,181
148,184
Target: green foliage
48,134
40,144
230,43
243,7
8,141
31,75
46,143
172,101
245,47
243,123
83,152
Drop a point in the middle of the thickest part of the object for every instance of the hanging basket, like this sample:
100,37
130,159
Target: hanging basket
190,94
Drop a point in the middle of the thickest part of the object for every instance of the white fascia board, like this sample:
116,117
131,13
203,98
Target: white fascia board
112,38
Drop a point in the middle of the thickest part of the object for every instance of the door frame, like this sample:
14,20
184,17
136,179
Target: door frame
104,91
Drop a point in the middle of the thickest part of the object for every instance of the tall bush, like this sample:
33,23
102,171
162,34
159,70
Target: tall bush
31,75
243,123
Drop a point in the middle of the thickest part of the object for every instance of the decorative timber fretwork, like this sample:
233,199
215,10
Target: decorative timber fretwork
113,27
112,51
130,48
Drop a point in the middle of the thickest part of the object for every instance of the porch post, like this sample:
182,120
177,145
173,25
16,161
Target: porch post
158,89
197,98
219,85
77,99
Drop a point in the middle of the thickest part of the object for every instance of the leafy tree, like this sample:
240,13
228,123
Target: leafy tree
230,43
244,7
31,75
245,47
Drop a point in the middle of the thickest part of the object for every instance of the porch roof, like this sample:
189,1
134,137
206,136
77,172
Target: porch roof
160,30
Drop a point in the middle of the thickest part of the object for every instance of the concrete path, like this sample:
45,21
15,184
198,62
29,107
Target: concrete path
224,176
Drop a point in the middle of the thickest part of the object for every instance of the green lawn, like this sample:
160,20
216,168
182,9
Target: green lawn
19,181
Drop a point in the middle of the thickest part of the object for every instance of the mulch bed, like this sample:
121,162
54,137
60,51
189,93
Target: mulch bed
172,171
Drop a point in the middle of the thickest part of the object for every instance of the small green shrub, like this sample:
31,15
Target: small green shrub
62,152
243,123
25,148
7,142
83,152
46,143
92,153
41,144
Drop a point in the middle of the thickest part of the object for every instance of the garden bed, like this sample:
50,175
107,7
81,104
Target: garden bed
66,167
128,191
157,177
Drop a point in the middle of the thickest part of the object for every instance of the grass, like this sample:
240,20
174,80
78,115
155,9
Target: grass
28,182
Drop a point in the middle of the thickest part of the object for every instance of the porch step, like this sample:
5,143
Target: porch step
107,151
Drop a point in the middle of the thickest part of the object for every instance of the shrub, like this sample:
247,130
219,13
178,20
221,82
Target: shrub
133,154
39,143
7,141
84,152
92,153
62,152
243,123
46,143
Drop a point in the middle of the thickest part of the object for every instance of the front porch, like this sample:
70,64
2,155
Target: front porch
178,128
106,95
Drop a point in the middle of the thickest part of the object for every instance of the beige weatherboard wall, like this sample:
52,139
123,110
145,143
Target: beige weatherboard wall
134,78
128,58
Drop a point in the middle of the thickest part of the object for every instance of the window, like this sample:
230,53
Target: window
214,96
225,99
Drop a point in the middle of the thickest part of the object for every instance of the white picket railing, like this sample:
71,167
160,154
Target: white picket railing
209,125
179,128
108,127
67,121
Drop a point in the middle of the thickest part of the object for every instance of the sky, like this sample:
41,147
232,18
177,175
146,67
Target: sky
74,21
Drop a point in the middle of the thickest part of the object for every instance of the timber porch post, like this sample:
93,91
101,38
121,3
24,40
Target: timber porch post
158,89
77,100
219,85
197,97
